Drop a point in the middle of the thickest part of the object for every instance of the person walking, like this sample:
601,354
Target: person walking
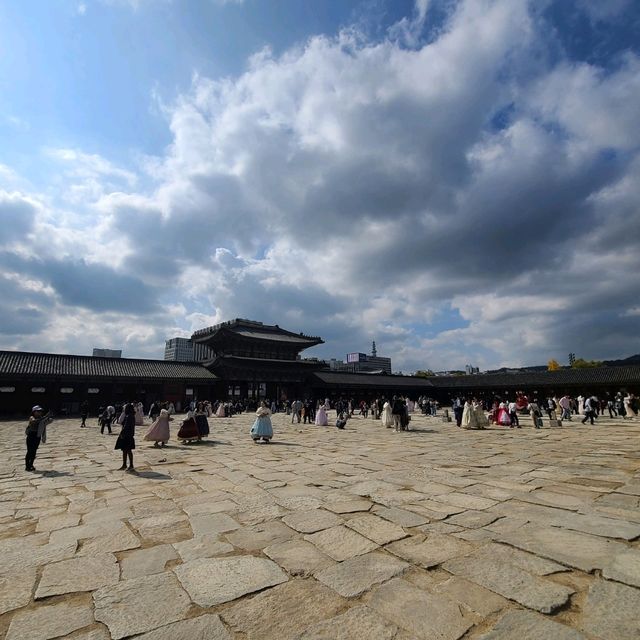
535,413
513,415
105,420
322,420
36,433
386,415
589,410
126,439
397,411
296,410
84,413
159,432
457,410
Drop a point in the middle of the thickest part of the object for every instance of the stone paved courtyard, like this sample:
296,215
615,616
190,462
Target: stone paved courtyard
361,534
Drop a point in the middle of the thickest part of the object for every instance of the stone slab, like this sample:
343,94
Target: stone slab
206,627
49,621
348,506
473,596
212,524
211,581
430,552
207,546
121,540
78,574
146,562
341,543
423,614
400,517
259,536
511,582
527,561
163,528
473,519
140,604
526,625
16,588
378,529
357,575
572,548
611,611
312,521
465,501
284,611
298,557
357,622
624,567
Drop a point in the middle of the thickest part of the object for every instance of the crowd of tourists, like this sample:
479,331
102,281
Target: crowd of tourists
393,413
479,413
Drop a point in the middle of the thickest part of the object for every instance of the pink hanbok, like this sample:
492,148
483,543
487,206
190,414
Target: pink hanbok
159,431
321,417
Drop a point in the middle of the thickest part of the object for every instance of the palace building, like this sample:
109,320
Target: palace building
245,359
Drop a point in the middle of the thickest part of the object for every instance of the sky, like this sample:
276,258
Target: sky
458,180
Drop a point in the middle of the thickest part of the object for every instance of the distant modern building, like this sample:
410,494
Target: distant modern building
185,350
363,363
470,369
179,350
107,353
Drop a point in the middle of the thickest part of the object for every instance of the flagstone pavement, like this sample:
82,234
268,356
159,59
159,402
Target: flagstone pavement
324,534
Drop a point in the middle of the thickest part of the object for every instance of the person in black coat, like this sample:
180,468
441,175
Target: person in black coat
126,440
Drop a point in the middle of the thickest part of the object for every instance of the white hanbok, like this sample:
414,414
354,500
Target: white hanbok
387,416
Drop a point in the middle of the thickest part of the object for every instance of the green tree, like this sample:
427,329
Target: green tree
427,373
581,363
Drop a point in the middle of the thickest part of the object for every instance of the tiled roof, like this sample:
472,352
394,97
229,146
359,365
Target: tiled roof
257,331
22,363
609,376
373,381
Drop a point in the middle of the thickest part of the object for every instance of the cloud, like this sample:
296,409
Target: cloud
462,200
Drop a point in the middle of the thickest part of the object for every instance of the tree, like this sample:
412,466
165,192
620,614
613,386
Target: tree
427,373
553,365
581,363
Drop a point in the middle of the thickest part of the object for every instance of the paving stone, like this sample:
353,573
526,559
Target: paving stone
259,536
357,575
357,622
298,557
349,506
465,501
527,561
472,519
429,552
526,625
19,553
477,598
140,604
624,567
211,581
212,523
145,562
611,611
341,543
379,530
122,540
49,621
574,549
511,582
206,627
400,516
423,614
284,611
78,574
96,633
16,588
51,523
312,521
202,547
164,528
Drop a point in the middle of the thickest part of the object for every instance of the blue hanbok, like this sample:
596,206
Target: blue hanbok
262,427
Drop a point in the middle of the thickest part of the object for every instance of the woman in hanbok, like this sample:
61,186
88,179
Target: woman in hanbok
481,417
262,427
220,411
387,416
503,415
189,429
139,414
201,421
159,431
629,409
581,404
321,417
468,416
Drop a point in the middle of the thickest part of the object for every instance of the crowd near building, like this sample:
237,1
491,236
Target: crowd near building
244,361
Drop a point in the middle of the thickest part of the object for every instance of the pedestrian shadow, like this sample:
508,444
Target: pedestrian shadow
55,474
154,475
279,443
